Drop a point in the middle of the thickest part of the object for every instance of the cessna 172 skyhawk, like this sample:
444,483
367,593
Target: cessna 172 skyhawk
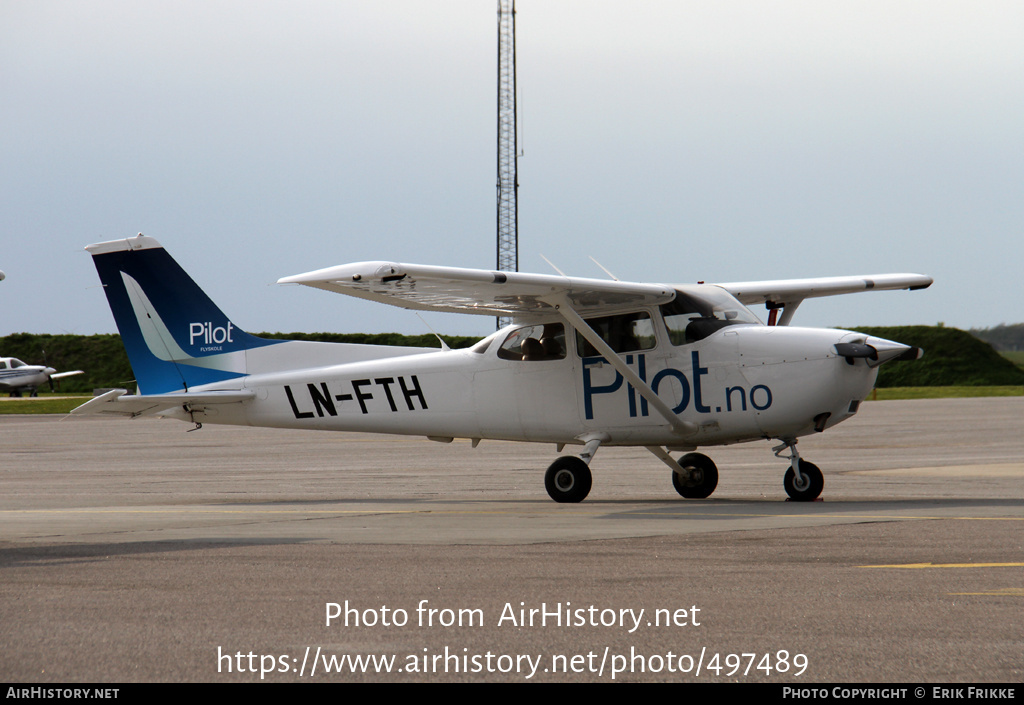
586,363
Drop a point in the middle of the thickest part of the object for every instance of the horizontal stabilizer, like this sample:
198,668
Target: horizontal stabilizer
117,402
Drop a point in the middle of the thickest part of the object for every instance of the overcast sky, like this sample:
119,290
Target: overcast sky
672,141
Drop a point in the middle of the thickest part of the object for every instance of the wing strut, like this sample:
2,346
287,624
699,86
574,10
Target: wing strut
788,309
566,311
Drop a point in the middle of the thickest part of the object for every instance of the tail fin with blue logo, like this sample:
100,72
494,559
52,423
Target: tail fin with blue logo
175,336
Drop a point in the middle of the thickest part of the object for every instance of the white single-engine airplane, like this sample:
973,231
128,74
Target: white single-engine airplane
587,363
17,377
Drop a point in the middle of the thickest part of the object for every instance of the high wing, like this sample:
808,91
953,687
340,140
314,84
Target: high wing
478,291
517,294
787,294
785,290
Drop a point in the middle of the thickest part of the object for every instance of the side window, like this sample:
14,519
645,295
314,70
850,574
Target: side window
624,333
534,343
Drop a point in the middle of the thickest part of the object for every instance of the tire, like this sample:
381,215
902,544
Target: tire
814,483
568,480
703,476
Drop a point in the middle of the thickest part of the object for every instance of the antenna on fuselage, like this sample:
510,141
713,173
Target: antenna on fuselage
444,345
603,268
552,265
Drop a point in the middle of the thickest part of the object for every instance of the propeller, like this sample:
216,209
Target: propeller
49,377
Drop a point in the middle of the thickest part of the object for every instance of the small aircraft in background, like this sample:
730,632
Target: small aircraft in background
17,377
586,363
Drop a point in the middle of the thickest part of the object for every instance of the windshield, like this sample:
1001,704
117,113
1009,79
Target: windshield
694,315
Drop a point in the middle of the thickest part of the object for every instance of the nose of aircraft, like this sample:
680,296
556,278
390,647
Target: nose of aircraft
876,351
49,371
891,350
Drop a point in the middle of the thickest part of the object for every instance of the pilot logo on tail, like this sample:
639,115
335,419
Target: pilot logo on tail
208,335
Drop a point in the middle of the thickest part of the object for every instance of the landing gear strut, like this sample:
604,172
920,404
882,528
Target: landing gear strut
803,481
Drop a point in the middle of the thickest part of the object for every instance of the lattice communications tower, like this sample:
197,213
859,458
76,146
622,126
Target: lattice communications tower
508,180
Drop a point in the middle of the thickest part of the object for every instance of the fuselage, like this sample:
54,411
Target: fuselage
741,382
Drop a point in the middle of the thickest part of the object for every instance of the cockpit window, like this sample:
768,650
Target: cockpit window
624,333
15,362
534,343
694,316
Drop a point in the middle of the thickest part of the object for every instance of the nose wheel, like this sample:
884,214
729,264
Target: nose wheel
807,486
803,481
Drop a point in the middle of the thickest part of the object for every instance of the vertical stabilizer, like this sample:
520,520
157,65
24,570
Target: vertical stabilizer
175,336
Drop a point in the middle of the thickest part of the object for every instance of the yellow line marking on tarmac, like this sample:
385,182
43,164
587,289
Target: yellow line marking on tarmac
1005,592
948,565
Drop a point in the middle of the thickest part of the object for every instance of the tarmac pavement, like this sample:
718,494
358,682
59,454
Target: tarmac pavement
134,551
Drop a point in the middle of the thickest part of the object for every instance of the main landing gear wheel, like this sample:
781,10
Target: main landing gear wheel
812,485
701,476
568,480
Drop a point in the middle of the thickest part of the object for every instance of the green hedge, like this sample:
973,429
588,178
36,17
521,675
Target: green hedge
951,358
